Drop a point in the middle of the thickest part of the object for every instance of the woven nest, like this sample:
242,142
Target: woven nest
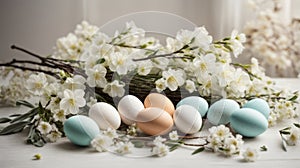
141,86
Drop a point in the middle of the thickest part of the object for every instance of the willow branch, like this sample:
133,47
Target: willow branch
31,69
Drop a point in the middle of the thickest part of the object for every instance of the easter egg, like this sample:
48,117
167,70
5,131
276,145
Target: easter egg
220,111
197,102
129,107
105,115
248,122
160,101
154,121
81,130
260,105
187,119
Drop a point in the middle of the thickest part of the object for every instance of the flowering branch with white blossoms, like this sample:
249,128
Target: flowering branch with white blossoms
88,66
219,140
290,135
274,40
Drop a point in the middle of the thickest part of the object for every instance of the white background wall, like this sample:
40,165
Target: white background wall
36,24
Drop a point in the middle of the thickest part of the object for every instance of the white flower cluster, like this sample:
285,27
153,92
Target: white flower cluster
222,141
12,86
291,135
109,140
160,149
274,41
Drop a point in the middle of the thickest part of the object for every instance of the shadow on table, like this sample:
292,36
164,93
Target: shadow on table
68,146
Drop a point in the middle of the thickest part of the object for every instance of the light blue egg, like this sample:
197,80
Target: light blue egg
220,111
260,105
81,130
248,122
197,102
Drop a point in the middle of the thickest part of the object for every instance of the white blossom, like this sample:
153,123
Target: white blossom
120,63
220,131
115,89
144,68
72,101
160,150
124,148
174,78
75,82
173,135
112,133
68,48
36,83
190,86
160,85
91,102
96,76
59,115
159,140
44,127
250,155
54,136
102,142
85,30
294,136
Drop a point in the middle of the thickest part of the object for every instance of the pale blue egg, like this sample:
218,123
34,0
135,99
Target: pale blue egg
197,102
81,130
220,111
248,122
260,105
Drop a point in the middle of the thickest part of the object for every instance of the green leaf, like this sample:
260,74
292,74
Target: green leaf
284,132
14,128
138,144
283,143
100,61
293,98
15,115
39,143
4,120
27,115
174,147
297,125
263,148
24,103
201,149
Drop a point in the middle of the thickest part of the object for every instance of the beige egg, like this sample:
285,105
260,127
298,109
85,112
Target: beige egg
154,121
160,101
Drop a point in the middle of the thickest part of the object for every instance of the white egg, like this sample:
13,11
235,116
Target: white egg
187,119
105,115
129,107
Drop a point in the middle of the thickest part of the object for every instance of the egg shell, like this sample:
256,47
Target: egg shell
105,115
187,119
260,105
197,102
220,111
81,130
129,107
154,121
160,101
248,122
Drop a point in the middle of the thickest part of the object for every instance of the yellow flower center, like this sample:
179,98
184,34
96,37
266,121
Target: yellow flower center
72,102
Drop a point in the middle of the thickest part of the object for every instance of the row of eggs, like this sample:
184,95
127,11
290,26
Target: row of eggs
157,115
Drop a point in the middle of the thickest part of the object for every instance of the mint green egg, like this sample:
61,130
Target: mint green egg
195,101
220,111
260,105
81,130
248,122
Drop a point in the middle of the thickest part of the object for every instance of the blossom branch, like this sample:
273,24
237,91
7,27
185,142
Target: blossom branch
44,62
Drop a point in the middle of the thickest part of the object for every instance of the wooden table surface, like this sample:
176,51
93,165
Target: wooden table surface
15,153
